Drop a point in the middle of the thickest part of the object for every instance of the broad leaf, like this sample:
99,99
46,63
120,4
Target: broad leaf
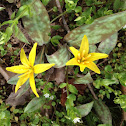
13,80
85,108
84,80
38,25
35,104
60,57
103,112
107,45
101,29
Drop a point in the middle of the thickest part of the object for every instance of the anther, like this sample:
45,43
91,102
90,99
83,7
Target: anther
78,56
89,55
86,61
83,52
83,59
78,61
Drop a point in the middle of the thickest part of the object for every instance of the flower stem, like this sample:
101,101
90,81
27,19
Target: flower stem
92,92
58,16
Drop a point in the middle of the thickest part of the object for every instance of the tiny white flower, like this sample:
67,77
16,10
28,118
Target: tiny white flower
76,120
51,97
124,27
46,95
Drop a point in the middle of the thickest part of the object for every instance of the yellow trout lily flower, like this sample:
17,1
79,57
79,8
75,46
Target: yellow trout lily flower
83,58
27,69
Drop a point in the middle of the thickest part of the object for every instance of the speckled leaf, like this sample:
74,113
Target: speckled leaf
92,48
101,29
84,80
38,25
85,108
60,57
35,104
13,80
107,45
103,112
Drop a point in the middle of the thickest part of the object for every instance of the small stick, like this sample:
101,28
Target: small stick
64,21
5,75
92,92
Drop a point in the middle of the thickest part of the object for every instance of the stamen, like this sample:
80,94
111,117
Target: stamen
83,63
83,52
86,62
89,55
78,56
78,61
83,59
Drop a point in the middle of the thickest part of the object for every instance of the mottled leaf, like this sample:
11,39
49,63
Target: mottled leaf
13,80
38,25
103,112
60,57
107,45
85,108
35,104
92,48
84,80
101,29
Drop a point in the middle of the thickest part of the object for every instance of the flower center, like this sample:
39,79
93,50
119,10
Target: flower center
81,58
31,69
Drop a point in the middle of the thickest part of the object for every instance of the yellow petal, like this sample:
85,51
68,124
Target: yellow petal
72,61
23,58
74,51
17,69
84,46
21,81
32,55
82,67
32,84
39,68
93,67
96,56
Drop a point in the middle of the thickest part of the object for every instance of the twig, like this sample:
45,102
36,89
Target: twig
92,92
5,75
64,21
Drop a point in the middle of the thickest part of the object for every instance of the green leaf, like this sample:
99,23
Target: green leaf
122,78
101,29
85,108
117,4
21,36
35,104
108,82
72,89
62,85
84,80
60,57
12,15
37,26
103,112
107,45
23,11
45,2
78,9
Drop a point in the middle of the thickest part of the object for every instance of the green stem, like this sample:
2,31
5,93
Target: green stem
59,16
67,81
